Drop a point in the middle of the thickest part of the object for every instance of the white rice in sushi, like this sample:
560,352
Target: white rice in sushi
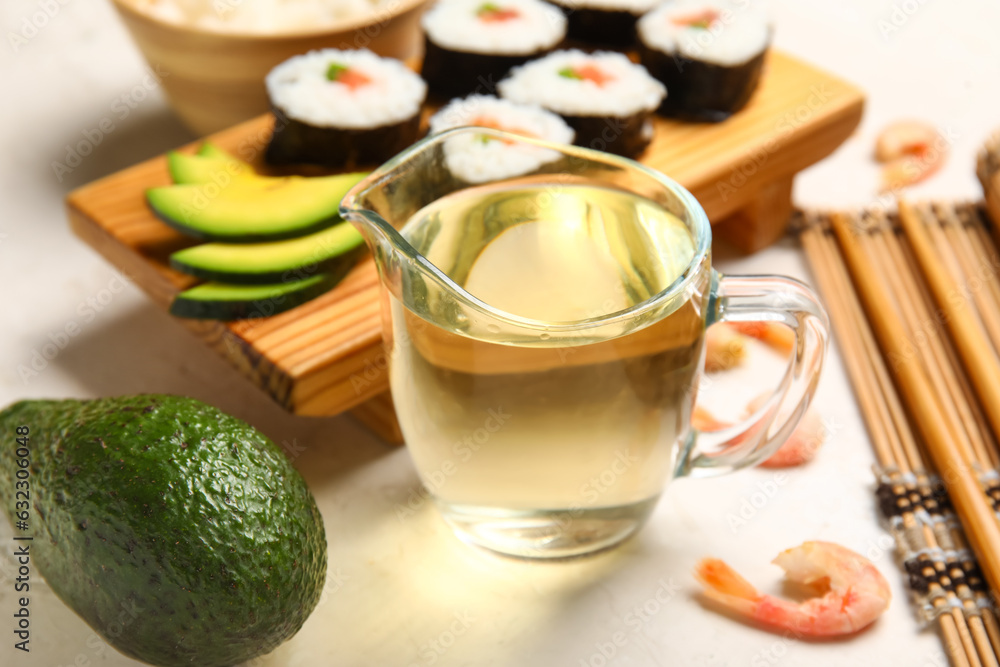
301,89
525,26
475,158
736,32
260,17
621,88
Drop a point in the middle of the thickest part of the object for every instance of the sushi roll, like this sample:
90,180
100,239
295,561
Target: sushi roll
479,158
470,45
709,54
606,23
607,99
342,108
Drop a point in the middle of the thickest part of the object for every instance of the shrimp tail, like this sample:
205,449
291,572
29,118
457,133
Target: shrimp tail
724,585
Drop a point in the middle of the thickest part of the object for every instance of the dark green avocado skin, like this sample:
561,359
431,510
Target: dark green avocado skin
180,534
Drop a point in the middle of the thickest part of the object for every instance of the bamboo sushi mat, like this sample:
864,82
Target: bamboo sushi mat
946,582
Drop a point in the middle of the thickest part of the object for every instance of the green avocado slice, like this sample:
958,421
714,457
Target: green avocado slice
272,262
224,301
241,213
212,151
187,169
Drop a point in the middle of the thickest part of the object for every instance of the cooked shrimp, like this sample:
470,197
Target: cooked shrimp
801,446
725,347
910,151
853,592
774,334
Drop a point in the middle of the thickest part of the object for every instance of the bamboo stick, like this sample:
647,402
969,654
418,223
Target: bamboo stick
962,484
974,347
873,405
933,344
923,330
963,641
977,238
973,270
968,394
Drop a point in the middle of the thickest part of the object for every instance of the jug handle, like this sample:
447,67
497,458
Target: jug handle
762,299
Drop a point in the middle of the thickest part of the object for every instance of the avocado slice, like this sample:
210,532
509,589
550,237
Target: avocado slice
180,534
241,213
212,151
225,301
262,263
187,169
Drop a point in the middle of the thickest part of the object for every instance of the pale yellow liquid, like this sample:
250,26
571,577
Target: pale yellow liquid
506,420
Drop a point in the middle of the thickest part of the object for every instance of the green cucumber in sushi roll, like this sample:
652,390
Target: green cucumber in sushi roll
607,99
604,23
470,45
709,54
342,109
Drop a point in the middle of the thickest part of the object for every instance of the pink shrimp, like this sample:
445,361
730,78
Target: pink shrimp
801,446
851,592
725,347
910,151
773,334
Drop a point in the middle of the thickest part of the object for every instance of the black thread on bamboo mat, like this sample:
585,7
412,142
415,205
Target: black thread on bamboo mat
890,502
935,499
895,499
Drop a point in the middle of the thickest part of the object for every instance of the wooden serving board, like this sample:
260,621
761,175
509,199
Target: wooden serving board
326,356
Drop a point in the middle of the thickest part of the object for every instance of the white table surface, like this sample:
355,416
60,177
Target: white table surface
402,591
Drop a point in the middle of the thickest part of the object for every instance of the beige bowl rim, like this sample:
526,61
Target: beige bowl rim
127,7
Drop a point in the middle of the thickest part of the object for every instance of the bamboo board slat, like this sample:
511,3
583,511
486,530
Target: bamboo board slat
326,356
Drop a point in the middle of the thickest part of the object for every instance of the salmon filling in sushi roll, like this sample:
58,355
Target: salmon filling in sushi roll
470,45
342,108
482,158
608,100
709,54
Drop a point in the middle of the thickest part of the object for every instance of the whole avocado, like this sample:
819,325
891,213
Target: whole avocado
181,535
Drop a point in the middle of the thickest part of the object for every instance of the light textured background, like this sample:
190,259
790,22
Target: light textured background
402,582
